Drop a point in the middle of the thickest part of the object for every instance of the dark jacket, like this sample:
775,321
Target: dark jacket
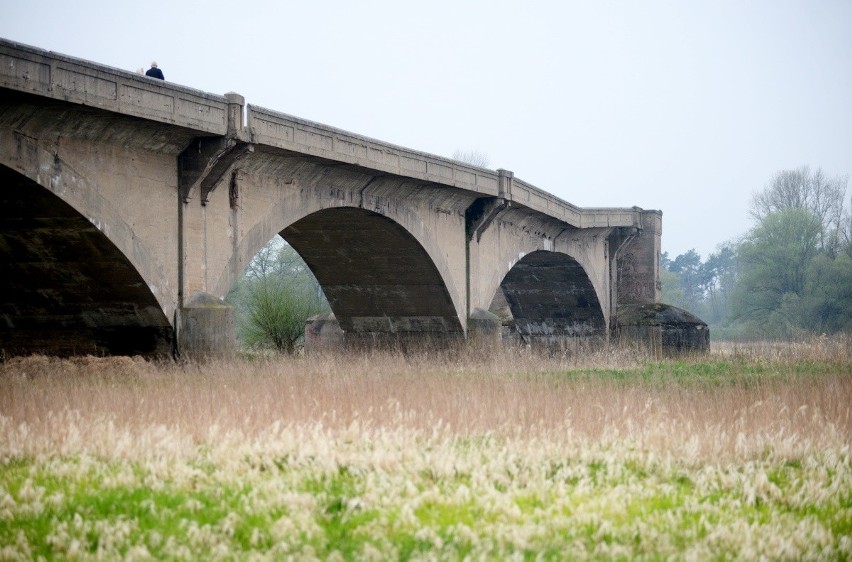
155,73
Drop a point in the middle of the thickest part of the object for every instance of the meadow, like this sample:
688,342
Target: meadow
740,454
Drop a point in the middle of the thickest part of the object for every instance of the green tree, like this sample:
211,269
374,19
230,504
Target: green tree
720,275
672,290
704,288
685,281
774,259
274,297
689,267
827,304
846,231
790,274
277,311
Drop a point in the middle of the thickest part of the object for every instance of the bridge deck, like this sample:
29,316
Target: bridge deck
44,73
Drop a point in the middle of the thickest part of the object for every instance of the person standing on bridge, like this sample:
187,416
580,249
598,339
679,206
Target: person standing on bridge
155,72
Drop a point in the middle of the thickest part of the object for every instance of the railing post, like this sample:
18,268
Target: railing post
236,106
504,184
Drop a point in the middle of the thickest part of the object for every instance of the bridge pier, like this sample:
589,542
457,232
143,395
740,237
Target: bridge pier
484,328
206,326
636,264
206,329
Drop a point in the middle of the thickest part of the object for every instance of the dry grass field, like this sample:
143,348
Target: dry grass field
743,453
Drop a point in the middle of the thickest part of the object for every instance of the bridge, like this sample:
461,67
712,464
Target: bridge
129,207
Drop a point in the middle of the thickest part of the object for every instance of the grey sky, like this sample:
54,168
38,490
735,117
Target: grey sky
685,106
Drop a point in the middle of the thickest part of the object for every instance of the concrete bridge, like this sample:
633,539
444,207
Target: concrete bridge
129,207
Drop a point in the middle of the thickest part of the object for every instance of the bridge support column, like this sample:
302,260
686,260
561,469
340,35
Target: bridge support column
206,329
484,328
637,263
206,325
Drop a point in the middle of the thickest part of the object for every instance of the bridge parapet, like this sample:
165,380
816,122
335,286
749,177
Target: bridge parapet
307,137
53,75
287,132
539,200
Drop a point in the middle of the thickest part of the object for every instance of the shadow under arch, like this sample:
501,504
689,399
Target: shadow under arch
377,277
65,288
550,297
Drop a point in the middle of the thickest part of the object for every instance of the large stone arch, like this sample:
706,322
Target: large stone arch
376,276
379,278
66,287
588,248
550,297
48,170
284,216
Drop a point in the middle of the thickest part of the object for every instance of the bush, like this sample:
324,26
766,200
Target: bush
277,311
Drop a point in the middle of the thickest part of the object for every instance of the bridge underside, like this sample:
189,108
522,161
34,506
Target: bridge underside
377,278
64,287
551,298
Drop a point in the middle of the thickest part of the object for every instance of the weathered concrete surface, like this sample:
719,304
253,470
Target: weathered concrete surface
207,329
662,329
484,328
322,332
375,275
77,81
638,261
406,245
118,176
64,287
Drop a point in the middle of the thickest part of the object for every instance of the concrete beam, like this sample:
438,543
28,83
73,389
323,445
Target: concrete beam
306,137
203,164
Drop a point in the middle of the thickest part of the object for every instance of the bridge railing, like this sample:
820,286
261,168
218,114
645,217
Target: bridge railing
53,75
287,132
307,137
535,198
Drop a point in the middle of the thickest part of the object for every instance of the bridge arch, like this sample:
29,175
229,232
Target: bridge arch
66,286
378,276
550,297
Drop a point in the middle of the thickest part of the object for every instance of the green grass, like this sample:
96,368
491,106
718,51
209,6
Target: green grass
610,500
764,469
698,374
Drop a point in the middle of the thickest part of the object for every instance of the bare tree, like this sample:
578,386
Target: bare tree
813,191
473,157
263,264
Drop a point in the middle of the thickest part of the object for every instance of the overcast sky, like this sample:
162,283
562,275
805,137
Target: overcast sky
688,107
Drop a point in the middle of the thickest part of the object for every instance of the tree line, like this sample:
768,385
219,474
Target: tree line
789,275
